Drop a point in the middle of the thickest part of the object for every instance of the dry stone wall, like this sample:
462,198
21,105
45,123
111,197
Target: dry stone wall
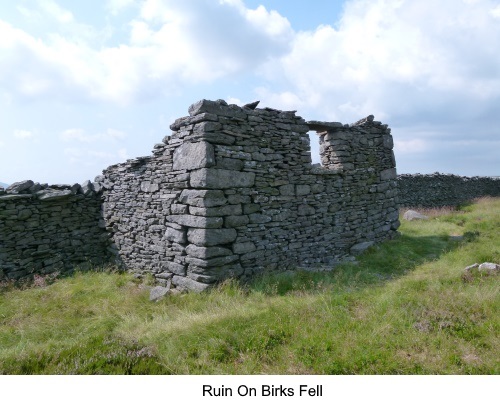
439,190
47,229
232,193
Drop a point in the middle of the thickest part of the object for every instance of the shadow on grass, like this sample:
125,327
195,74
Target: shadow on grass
380,263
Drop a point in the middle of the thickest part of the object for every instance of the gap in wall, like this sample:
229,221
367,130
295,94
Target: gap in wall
314,140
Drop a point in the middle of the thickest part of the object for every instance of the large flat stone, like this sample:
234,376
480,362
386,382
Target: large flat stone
15,196
193,155
174,267
19,187
213,274
217,108
388,174
50,195
217,211
213,262
201,252
194,221
211,237
321,126
221,179
188,284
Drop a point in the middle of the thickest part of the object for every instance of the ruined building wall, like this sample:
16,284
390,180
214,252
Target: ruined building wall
47,229
232,192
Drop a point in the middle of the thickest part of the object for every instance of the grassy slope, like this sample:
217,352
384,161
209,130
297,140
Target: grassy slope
403,309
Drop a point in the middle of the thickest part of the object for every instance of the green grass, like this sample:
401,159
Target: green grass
402,309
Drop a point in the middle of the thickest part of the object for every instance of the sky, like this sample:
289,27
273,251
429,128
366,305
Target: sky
84,85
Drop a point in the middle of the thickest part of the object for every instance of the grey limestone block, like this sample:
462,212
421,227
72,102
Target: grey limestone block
221,179
193,155
207,126
194,221
175,235
50,195
189,284
174,268
243,247
87,187
218,107
212,262
388,174
388,141
148,187
234,221
211,237
217,211
202,252
158,292
179,209
412,215
213,274
19,187
6,197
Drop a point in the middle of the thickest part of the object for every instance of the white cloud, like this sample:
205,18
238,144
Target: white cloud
410,146
397,58
80,135
122,154
171,44
94,158
116,6
234,100
285,100
52,9
23,134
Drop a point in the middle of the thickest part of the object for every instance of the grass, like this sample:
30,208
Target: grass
402,309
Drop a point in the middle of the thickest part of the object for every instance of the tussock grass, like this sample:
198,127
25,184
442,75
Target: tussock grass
402,309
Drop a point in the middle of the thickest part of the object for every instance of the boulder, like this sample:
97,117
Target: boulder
158,292
489,268
19,187
411,215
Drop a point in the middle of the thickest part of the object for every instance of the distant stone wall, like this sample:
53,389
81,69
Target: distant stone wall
439,190
47,229
232,193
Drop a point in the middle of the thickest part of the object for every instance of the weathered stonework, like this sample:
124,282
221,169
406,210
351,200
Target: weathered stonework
439,190
231,193
50,229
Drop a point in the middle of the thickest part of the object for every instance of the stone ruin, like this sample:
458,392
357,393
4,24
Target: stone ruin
231,193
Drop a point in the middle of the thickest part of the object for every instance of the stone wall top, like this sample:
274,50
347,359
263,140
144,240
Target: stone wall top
28,189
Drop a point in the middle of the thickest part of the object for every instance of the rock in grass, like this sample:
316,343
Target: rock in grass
489,268
411,215
472,266
158,292
480,270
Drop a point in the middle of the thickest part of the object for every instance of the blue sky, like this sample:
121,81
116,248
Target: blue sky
84,85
